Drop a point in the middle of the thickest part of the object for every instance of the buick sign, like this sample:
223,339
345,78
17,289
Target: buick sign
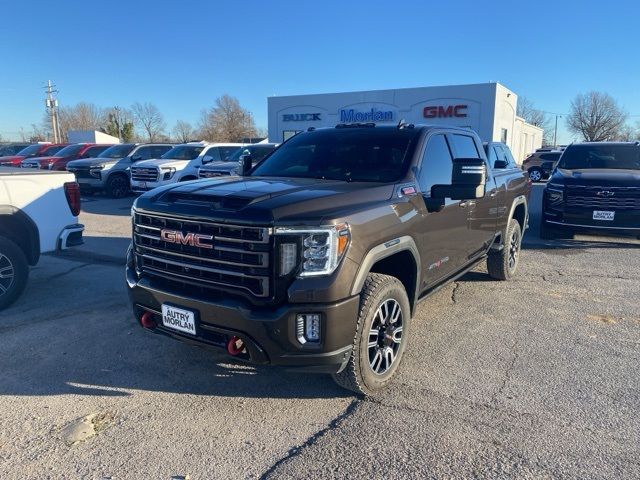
301,117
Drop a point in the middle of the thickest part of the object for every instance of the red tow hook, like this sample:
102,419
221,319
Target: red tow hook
147,320
235,346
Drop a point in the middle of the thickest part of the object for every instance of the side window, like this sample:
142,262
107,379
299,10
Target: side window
260,152
510,159
500,155
464,146
144,153
226,152
94,152
436,165
211,155
159,150
491,154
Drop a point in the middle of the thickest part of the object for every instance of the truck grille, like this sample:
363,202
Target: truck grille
239,260
614,198
144,174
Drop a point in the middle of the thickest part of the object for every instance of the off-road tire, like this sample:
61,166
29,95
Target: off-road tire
117,186
499,264
12,262
358,376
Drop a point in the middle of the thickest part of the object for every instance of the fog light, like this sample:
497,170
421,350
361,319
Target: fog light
308,327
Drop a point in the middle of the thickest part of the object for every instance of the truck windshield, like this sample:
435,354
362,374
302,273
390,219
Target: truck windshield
183,152
117,151
70,150
30,150
620,156
368,154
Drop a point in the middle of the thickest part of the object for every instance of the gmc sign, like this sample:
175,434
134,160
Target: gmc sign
190,238
458,111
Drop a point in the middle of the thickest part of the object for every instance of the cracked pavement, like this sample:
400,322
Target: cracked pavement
532,378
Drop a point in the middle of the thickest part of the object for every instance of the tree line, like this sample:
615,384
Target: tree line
225,121
593,117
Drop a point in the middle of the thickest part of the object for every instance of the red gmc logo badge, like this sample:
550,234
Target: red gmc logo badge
192,239
458,111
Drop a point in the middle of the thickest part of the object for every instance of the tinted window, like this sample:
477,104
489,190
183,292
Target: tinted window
491,153
53,150
95,151
30,151
117,151
257,152
70,151
510,159
211,155
601,156
159,150
351,154
550,156
144,153
437,164
464,146
183,152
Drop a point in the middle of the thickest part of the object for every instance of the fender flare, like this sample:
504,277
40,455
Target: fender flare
384,250
520,200
30,245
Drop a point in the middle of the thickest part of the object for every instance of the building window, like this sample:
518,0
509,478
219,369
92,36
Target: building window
287,134
503,135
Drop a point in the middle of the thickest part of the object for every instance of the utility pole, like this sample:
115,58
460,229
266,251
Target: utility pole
555,132
52,107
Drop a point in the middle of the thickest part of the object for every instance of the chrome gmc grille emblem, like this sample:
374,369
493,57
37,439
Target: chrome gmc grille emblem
190,238
605,193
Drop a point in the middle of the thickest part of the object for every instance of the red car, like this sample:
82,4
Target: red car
32,151
62,157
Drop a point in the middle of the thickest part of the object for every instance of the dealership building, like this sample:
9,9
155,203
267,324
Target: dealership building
487,108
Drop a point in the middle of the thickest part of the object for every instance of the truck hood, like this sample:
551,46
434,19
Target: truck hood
264,200
177,164
611,177
90,162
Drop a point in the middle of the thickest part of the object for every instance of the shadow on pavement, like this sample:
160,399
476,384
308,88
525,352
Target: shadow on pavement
98,204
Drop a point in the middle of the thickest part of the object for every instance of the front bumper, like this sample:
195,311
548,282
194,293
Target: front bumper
269,333
71,236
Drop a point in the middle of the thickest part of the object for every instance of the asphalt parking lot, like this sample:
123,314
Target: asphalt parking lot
538,377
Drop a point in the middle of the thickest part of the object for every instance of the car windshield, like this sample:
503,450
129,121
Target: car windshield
117,151
70,150
369,154
576,157
183,152
30,150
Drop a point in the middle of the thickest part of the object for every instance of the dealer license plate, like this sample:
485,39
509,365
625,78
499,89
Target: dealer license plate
142,184
179,319
603,215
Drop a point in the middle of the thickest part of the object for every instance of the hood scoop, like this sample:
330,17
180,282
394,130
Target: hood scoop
216,202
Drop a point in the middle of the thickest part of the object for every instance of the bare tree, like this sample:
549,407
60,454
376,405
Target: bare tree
82,116
149,119
596,116
227,121
535,117
183,131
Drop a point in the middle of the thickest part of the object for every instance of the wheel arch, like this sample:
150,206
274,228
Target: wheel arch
399,258
520,212
18,227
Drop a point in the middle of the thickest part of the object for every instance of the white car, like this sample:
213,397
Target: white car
179,164
38,214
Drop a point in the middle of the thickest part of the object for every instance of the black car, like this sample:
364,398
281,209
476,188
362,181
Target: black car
595,187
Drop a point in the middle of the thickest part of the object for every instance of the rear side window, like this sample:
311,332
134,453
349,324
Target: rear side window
436,165
550,156
464,146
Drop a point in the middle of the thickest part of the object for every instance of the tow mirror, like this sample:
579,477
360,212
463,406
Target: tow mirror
245,163
468,179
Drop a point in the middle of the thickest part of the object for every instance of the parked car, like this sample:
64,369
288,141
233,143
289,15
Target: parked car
32,151
499,155
539,165
257,151
59,160
317,258
38,214
11,149
594,188
111,171
179,164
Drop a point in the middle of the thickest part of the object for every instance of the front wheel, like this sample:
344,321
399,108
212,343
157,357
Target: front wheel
535,174
14,272
503,265
380,338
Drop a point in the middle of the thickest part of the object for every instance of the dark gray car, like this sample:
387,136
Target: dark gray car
111,171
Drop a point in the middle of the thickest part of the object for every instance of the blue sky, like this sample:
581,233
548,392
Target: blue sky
182,55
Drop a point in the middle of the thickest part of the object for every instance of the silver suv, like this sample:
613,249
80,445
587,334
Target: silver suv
111,171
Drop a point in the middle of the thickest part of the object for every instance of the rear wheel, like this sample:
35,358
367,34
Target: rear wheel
14,272
117,186
503,265
535,174
380,338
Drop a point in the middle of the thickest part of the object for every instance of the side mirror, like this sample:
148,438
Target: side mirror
207,159
468,180
244,164
135,158
498,164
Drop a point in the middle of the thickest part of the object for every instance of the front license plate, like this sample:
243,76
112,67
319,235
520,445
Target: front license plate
603,215
142,184
179,319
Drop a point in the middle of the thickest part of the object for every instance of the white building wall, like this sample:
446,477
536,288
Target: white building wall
90,136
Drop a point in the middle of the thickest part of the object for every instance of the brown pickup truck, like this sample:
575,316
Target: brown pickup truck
316,258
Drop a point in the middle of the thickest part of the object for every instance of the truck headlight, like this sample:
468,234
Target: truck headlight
321,249
554,195
168,172
95,170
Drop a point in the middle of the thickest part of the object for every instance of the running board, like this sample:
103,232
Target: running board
453,278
